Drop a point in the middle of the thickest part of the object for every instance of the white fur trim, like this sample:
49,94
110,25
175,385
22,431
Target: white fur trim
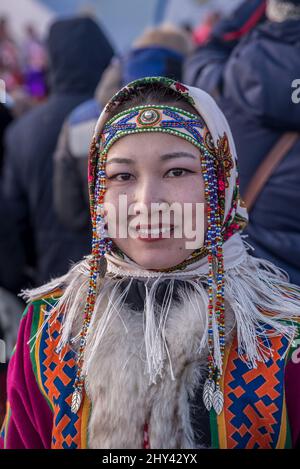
278,11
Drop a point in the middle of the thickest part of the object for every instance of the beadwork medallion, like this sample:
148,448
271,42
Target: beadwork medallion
148,117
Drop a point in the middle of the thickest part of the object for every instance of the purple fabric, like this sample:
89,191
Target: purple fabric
30,424
292,390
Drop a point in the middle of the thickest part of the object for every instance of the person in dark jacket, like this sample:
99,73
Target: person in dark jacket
5,119
79,52
253,84
159,51
11,252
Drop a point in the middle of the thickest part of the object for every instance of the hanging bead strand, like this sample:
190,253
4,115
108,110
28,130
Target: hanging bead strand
100,245
212,394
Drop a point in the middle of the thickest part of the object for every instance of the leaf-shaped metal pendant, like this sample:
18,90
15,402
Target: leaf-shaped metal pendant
218,401
76,401
208,391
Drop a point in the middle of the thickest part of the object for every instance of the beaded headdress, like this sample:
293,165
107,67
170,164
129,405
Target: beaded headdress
225,214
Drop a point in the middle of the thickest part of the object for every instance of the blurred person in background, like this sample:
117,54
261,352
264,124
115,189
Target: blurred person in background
5,119
78,52
249,66
11,251
10,68
159,51
205,66
11,276
202,33
35,64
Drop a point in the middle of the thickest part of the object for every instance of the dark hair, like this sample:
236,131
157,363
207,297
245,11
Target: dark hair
152,93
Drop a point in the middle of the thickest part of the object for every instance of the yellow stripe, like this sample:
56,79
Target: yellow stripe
221,418
52,295
84,422
283,427
36,354
283,424
6,424
284,418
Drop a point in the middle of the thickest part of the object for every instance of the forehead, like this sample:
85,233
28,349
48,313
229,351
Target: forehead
152,143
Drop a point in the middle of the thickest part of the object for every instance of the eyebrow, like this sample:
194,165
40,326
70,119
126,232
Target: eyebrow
165,157
177,154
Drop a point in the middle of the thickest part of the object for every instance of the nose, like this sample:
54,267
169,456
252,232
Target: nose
148,192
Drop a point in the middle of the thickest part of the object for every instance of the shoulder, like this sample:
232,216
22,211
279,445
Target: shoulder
50,299
21,125
86,111
39,303
42,333
39,308
30,334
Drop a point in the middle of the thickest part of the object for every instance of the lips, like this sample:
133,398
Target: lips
154,232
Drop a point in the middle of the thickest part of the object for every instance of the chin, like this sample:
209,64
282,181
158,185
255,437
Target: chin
156,264
155,257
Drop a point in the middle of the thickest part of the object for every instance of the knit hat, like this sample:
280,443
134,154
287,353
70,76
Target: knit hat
159,51
282,10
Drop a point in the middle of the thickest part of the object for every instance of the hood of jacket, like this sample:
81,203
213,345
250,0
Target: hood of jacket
260,72
78,52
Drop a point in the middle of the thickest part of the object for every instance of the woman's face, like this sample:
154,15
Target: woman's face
146,170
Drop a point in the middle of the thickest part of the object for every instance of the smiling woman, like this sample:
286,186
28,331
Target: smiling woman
149,342
153,179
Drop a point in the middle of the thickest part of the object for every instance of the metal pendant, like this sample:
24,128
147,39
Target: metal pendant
76,401
218,401
208,392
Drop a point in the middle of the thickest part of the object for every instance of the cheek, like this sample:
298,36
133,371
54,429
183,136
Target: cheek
117,200
114,194
190,190
110,197
111,205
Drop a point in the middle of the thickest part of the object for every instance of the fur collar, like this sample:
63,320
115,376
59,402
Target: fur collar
118,386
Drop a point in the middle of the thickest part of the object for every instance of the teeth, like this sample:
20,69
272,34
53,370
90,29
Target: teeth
155,231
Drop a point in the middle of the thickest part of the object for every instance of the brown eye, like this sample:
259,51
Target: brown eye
121,177
177,172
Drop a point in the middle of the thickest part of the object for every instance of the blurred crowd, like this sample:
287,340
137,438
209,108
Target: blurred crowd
247,61
23,68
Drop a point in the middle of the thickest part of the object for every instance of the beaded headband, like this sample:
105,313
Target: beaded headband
191,127
154,118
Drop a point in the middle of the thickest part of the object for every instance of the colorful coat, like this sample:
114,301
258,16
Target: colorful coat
261,408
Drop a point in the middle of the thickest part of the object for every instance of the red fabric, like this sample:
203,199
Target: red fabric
202,34
3,394
30,424
292,392
250,23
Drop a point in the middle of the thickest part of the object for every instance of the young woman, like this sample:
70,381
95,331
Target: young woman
151,341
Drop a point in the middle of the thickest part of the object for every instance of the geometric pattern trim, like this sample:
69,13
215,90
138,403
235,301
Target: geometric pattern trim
254,409
57,372
254,414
